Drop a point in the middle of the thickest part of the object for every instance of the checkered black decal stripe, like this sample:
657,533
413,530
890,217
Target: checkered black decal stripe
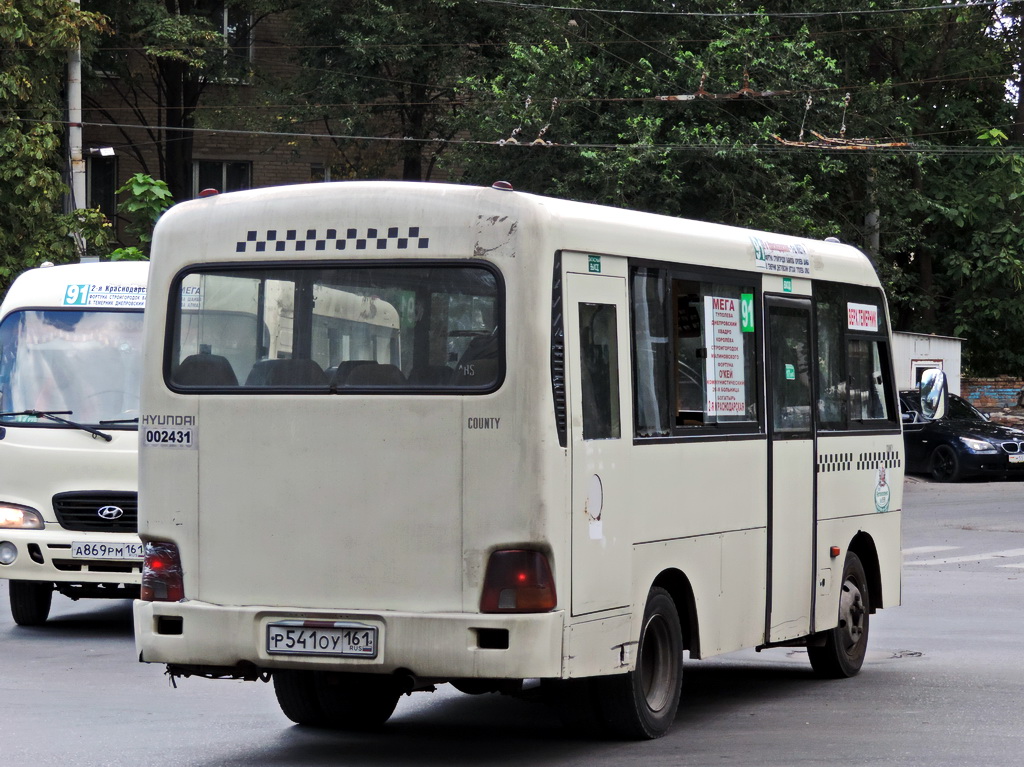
834,462
888,459
332,240
830,462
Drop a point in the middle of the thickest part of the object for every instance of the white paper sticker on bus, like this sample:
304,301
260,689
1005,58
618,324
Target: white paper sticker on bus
862,317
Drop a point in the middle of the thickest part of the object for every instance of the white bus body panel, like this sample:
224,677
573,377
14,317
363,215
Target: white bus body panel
365,522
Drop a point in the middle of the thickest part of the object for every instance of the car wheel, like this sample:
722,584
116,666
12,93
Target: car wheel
945,464
30,602
845,646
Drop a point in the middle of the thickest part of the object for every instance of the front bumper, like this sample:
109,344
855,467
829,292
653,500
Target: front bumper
990,464
45,555
434,645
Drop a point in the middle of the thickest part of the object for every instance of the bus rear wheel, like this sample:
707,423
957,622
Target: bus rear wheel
642,704
356,701
842,654
297,697
30,602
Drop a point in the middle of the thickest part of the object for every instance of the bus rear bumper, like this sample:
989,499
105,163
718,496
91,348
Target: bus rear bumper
429,646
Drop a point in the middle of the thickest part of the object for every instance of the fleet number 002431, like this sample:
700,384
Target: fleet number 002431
169,437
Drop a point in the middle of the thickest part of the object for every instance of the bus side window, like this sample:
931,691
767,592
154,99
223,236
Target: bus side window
599,364
867,380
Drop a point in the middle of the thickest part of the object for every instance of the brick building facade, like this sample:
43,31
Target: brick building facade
126,132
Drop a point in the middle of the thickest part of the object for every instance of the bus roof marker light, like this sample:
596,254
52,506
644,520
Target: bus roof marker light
208,193
504,186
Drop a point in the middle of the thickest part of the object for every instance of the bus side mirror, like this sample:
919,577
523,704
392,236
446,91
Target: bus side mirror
934,394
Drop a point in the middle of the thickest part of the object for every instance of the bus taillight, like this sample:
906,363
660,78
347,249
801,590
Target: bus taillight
161,573
518,581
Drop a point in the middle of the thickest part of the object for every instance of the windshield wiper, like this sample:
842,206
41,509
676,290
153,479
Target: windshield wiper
55,415
119,420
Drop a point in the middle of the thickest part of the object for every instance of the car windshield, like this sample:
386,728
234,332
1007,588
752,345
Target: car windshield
85,364
961,410
958,408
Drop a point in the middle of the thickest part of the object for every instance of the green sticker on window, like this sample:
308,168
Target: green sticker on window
790,372
747,312
595,264
787,284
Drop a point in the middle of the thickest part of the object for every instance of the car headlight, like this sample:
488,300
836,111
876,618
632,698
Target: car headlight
15,517
979,445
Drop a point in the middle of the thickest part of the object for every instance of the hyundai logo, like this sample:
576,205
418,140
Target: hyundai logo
110,512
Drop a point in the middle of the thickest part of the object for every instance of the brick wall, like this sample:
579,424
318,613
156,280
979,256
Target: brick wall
987,393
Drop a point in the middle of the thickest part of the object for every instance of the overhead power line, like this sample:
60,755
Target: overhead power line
751,14
891,148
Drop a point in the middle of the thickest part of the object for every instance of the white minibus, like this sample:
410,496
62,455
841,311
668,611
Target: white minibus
476,436
70,362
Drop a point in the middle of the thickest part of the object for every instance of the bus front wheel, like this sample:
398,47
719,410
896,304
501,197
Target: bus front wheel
642,703
30,602
842,653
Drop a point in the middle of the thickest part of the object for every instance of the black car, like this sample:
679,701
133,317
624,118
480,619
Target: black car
964,443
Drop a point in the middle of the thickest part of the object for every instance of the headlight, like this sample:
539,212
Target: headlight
979,445
14,517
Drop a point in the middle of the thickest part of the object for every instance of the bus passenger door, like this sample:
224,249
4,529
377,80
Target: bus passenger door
600,418
791,514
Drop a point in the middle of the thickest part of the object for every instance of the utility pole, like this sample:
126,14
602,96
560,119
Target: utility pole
872,225
77,200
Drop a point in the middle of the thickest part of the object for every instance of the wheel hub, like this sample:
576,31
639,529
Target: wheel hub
851,614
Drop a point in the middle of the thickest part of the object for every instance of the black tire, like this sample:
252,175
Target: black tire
642,704
944,464
297,697
842,654
30,602
356,701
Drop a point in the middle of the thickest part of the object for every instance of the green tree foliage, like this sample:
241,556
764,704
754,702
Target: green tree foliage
621,136
719,111
161,59
933,203
390,69
145,201
35,36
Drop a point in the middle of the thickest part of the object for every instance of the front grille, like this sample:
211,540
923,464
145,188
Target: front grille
1012,447
80,511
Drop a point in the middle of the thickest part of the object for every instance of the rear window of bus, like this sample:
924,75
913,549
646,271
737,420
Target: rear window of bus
380,327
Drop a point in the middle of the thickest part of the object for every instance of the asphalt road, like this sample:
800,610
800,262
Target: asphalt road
941,686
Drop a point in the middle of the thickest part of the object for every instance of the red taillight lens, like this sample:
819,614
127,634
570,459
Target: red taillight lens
518,581
161,573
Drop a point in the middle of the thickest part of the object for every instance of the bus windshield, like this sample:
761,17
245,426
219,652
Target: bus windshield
86,364
338,329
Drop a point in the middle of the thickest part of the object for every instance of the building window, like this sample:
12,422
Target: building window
222,176
235,24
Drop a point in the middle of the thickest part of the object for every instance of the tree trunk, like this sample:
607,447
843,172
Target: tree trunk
926,275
